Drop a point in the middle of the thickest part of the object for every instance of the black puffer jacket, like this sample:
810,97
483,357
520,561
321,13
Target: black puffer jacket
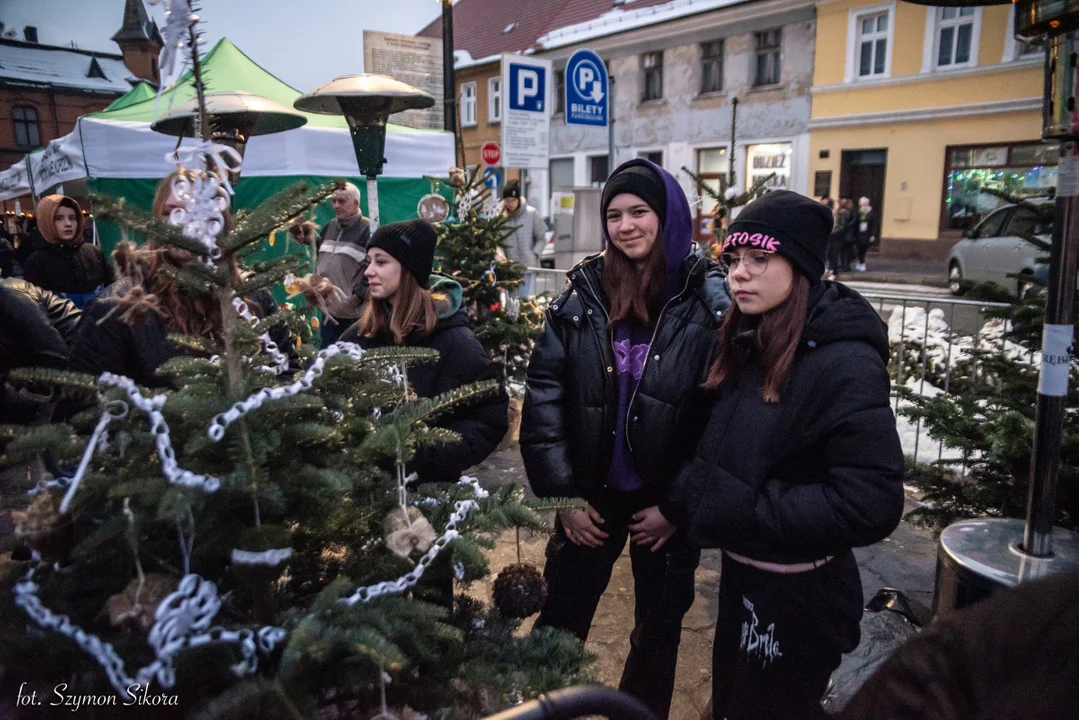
462,360
36,328
820,471
69,269
568,424
105,343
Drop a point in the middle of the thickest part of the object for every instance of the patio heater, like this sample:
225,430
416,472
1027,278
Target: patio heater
233,118
976,557
366,101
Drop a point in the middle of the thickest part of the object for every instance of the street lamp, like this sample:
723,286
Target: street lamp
366,101
233,118
977,556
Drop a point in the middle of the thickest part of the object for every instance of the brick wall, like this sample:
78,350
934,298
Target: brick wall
57,112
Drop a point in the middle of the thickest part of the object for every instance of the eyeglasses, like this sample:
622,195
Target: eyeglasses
756,261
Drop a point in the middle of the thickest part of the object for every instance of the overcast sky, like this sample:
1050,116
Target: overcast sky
304,42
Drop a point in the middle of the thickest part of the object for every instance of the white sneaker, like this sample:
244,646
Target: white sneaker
860,267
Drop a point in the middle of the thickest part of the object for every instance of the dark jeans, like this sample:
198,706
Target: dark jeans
779,637
663,588
862,249
835,252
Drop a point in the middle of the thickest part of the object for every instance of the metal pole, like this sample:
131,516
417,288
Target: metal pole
372,202
1056,359
1058,331
610,126
448,84
731,176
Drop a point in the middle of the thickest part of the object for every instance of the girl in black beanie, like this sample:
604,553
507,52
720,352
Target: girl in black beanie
410,306
799,463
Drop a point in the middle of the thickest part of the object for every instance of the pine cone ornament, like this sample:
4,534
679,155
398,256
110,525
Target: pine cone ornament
519,591
45,530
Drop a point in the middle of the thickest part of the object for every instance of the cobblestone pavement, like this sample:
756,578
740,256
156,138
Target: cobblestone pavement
906,561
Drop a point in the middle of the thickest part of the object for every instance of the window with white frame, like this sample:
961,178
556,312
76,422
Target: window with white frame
468,104
494,100
956,36
871,45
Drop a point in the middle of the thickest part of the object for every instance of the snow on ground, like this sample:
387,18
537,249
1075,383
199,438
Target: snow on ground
910,435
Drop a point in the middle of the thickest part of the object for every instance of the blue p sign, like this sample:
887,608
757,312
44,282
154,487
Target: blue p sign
587,89
528,87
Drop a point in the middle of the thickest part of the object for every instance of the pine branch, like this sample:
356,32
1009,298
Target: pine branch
1041,210
272,275
279,211
109,209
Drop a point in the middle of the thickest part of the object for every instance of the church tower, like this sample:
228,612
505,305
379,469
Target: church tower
140,42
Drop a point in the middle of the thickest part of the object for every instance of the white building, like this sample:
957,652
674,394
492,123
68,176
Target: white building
677,68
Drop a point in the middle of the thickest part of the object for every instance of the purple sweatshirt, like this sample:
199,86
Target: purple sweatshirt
631,341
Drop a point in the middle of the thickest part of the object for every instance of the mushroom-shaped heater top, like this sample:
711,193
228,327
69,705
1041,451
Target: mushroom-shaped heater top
234,116
366,101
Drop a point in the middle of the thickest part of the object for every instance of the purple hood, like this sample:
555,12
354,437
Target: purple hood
677,226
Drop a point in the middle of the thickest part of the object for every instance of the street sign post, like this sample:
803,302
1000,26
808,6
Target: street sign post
587,90
491,153
526,112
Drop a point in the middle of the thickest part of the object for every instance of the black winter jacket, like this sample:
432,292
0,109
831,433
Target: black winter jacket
36,328
568,425
462,360
68,269
815,474
105,343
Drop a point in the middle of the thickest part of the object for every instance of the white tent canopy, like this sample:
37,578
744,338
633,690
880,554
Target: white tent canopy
127,149
15,181
61,161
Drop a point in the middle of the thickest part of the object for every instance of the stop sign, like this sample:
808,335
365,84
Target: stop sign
491,153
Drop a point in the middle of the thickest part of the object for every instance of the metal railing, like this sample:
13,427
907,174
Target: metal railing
550,280
960,327
944,346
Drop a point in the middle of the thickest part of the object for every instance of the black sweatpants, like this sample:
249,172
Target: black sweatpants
780,636
663,589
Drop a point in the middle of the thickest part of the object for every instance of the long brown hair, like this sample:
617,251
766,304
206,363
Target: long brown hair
184,310
635,289
778,334
413,310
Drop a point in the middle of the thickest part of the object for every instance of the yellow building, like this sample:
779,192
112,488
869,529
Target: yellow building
917,107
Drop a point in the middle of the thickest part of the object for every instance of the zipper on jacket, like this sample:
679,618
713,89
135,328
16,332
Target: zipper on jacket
644,366
607,379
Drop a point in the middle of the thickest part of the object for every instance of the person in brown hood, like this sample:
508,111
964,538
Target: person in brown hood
65,264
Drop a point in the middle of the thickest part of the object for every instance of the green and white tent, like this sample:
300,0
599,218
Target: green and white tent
121,156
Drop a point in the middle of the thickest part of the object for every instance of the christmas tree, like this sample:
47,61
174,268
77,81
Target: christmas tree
470,249
988,412
248,543
726,199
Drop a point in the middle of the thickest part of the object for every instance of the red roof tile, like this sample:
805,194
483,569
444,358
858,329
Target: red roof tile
479,25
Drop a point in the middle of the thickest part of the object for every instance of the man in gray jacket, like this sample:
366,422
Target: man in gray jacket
342,252
528,239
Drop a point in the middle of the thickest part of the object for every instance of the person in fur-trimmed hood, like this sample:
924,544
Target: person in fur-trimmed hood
800,462
612,410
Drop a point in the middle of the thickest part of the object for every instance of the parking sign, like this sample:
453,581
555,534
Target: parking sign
586,90
526,111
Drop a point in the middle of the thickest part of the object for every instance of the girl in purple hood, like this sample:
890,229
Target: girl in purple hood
612,412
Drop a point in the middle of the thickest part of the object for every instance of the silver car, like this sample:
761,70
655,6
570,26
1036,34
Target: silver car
994,249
